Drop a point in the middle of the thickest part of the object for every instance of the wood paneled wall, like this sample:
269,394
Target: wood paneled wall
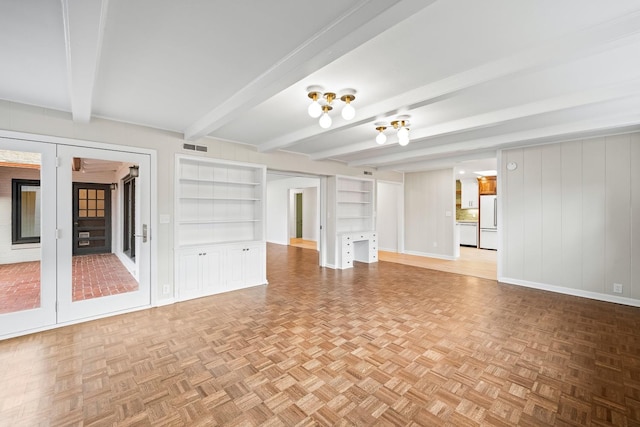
571,217
428,198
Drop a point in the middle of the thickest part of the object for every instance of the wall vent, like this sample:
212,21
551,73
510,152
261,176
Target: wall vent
368,173
194,147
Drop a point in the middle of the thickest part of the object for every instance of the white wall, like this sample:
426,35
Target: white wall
37,120
310,217
389,202
572,217
429,203
280,208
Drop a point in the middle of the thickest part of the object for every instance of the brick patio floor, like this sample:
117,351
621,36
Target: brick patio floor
93,276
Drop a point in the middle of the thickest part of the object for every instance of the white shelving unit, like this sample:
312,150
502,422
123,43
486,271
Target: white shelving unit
351,204
219,209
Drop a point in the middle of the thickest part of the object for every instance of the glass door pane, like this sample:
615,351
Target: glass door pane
96,275
27,236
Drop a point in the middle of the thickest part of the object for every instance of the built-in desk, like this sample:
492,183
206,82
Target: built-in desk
358,246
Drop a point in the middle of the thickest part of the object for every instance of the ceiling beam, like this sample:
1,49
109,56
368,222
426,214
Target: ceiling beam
584,43
363,21
84,23
499,117
618,123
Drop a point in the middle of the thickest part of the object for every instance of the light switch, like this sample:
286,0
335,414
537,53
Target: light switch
447,213
165,219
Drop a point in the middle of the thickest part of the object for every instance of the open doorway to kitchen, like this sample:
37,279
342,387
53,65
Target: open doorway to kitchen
477,220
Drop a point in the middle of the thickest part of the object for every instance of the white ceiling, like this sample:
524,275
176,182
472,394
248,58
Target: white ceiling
473,75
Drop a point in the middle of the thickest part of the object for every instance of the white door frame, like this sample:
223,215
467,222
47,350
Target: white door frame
322,216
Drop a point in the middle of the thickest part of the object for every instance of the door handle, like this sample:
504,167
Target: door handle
144,233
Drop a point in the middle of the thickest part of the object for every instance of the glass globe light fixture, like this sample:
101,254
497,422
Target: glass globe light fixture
403,136
381,138
325,119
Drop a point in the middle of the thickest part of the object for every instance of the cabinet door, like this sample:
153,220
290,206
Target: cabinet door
487,185
188,285
253,265
211,271
235,267
469,196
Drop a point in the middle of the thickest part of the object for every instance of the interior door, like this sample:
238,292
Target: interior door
27,236
102,279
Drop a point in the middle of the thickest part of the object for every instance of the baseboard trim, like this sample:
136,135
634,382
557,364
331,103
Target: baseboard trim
571,291
428,255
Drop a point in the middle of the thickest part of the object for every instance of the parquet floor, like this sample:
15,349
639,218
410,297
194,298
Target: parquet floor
381,344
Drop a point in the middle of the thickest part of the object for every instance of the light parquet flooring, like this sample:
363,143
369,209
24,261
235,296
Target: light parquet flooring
380,344
302,243
472,262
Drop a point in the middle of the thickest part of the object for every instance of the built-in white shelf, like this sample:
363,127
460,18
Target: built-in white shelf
351,204
219,229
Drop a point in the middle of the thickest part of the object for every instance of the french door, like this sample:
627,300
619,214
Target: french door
61,249
94,284
27,236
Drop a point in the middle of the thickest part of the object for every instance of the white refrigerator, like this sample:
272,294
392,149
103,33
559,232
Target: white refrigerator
488,222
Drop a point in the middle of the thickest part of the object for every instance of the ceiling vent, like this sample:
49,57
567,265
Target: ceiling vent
194,147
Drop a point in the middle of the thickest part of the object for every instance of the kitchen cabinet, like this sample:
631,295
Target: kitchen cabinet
469,194
487,185
468,233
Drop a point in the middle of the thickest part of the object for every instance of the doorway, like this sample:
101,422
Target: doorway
60,265
294,210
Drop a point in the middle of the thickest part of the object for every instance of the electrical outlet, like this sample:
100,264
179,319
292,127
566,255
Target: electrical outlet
435,244
617,288
165,289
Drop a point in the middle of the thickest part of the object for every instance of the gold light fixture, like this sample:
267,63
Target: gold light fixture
322,103
400,124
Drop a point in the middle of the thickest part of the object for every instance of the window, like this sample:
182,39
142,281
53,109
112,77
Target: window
25,211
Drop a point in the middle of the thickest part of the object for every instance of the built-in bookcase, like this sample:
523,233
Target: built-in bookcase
219,202
351,225
220,235
354,205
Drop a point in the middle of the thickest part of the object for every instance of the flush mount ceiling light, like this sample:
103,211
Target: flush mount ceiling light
321,104
401,125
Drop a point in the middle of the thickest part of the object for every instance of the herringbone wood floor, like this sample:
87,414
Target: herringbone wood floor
380,344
